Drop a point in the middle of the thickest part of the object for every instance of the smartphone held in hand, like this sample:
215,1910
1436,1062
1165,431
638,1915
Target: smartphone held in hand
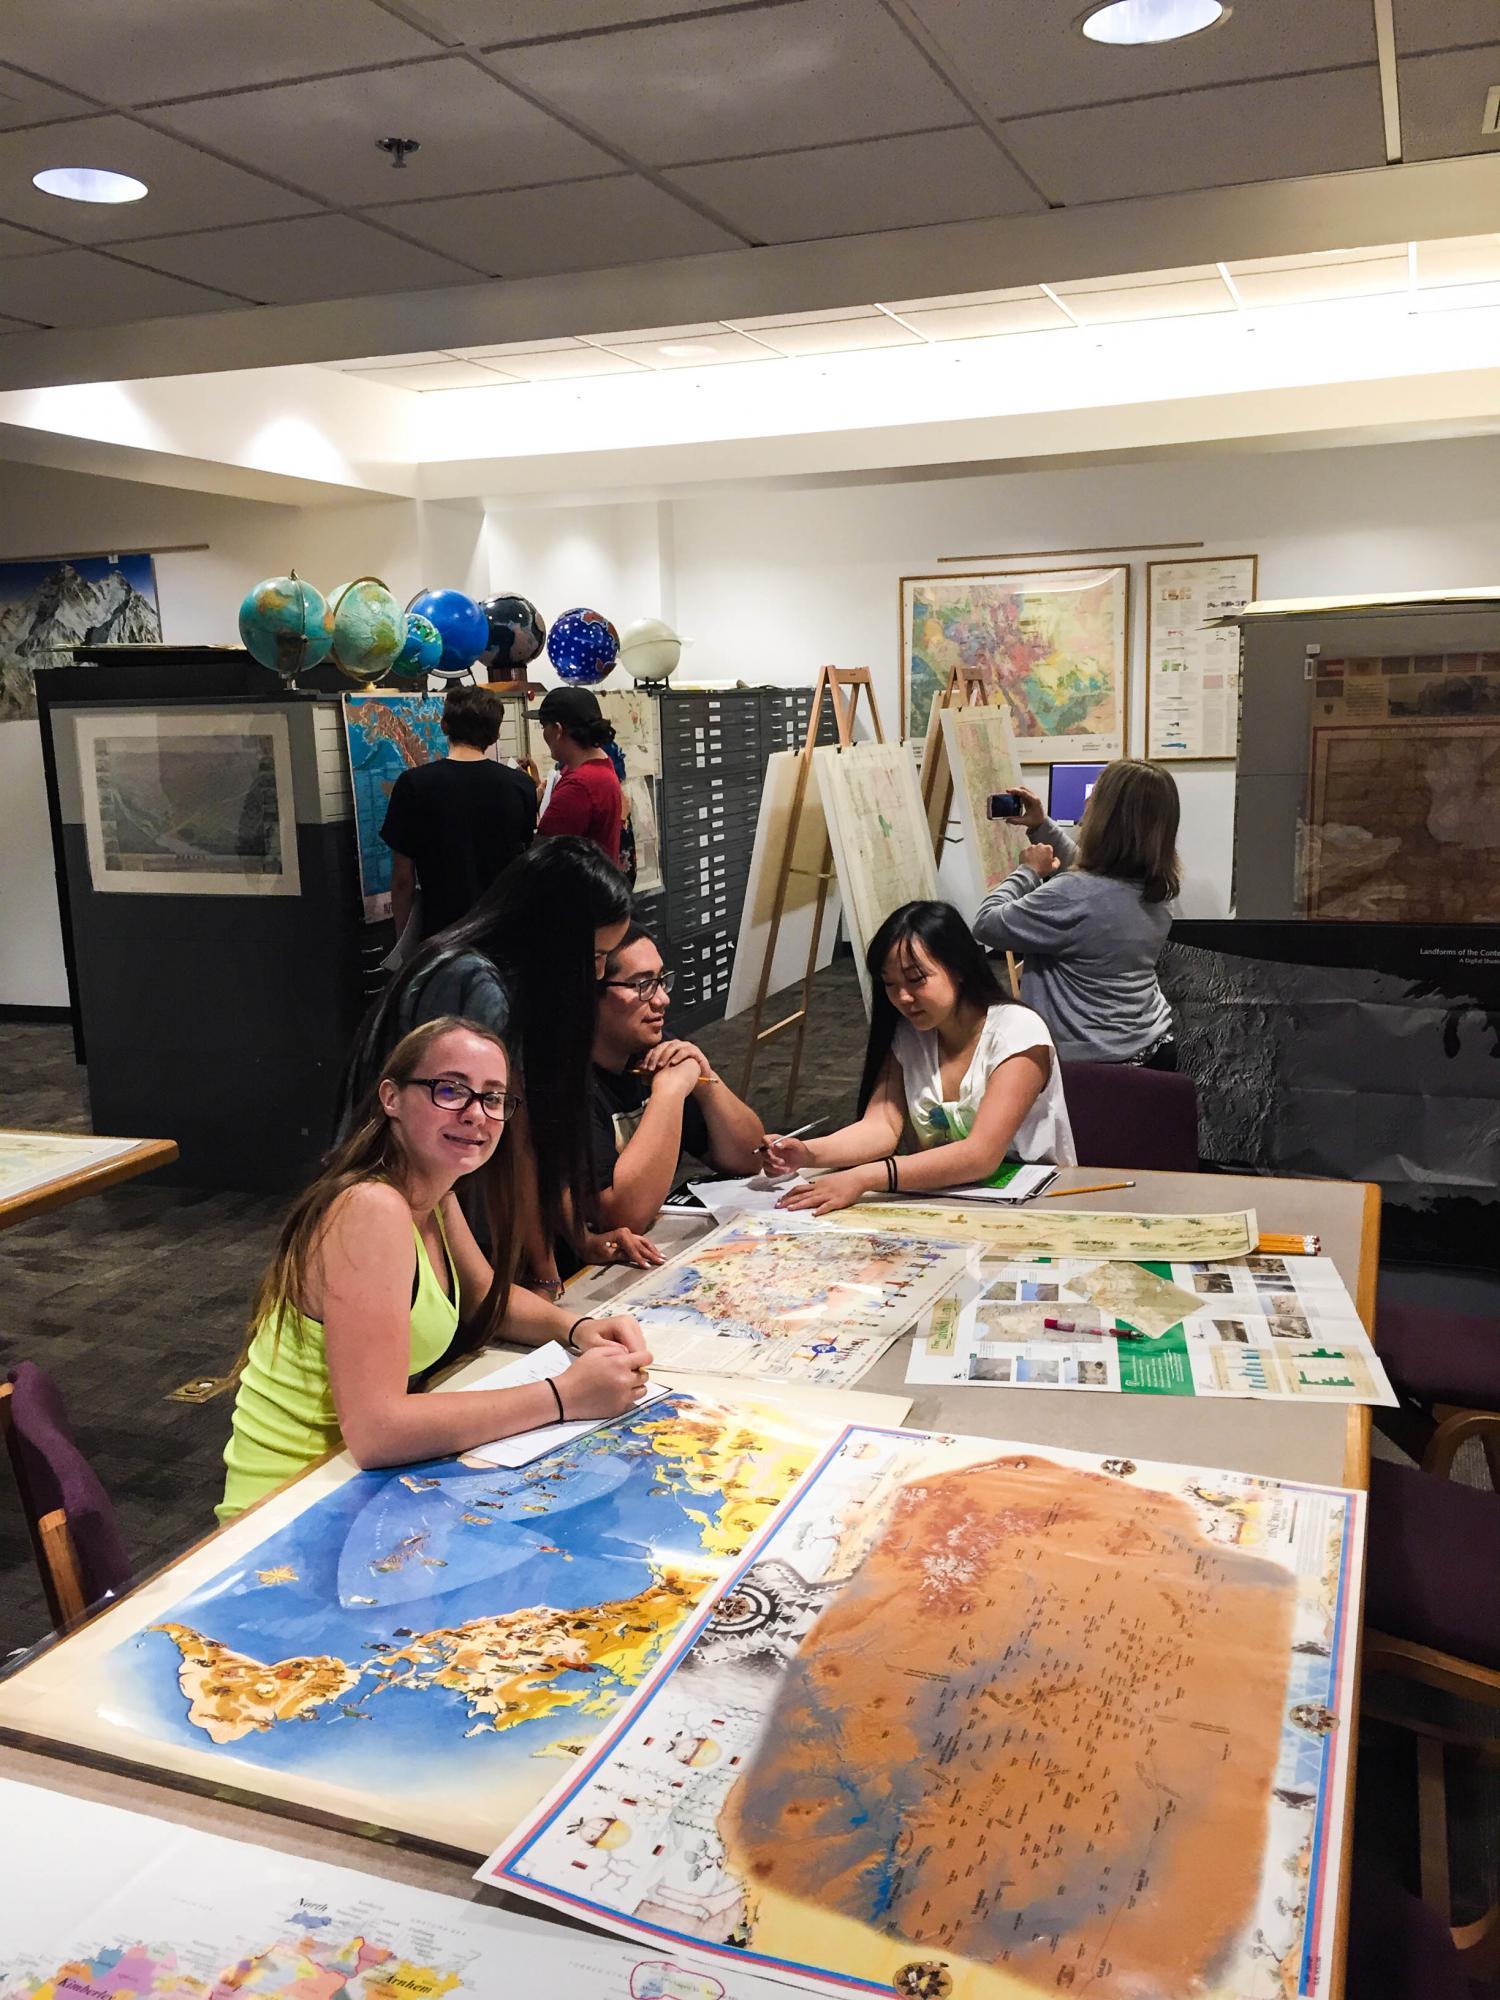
1005,805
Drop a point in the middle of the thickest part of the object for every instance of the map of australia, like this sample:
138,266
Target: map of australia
446,1632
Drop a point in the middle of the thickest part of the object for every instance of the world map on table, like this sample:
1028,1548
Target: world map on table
1052,644
976,1720
426,1643
387,734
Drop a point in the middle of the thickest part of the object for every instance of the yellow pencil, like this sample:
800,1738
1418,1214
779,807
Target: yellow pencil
1099,1187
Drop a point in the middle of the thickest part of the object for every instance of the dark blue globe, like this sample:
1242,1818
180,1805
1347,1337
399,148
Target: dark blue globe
583,646
460,624
517,630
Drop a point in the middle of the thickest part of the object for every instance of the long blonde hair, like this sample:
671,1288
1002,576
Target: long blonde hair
1129,828
372,1152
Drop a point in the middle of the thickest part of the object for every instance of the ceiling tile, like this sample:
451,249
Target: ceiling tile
16,242
1105,302
83,288
103,47
876,184
1459,260
1052,65
1209,138
555,361
309,257
474,134
446,374
709,348
804,74
486,22
1332,274
188,190
1442,101
845,332
1456,24
26,100
1031,313
577,226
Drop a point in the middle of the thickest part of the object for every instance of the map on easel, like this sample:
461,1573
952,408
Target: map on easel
985,1721
981,747
799,906
878,827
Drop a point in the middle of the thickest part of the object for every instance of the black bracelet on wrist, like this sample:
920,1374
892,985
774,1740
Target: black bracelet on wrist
895,1176
568,1341
889,1163
562,1415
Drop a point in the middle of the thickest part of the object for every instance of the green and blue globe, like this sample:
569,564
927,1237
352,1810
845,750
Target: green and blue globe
369,629
286,625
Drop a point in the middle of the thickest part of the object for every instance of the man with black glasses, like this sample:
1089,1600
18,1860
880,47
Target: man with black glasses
653,1099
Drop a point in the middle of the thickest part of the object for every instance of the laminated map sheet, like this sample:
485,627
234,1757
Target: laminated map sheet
120,1904
1048,1232
784,1297
1277,1328
984,1721
421,1649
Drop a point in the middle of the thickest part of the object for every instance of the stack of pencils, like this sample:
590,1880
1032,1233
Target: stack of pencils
1283,1245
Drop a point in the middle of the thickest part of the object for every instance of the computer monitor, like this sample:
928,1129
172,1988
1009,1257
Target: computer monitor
1068,789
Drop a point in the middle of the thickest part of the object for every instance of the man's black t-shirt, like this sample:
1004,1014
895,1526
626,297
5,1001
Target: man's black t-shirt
459,821
616,1103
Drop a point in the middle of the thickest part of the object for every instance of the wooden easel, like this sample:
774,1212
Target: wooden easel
967,688
841,687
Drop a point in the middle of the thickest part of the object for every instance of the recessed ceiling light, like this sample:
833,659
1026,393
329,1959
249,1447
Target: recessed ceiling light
89,184
1125,22
685,350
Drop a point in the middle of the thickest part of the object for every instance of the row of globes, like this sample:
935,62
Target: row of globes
289,626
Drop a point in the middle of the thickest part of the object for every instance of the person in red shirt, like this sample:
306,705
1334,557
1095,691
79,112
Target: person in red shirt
586,797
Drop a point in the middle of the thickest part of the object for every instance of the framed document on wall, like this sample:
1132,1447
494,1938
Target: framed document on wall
1192,669
1052,642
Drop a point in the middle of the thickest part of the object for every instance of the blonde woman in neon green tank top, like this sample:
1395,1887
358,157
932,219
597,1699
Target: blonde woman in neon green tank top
374,1272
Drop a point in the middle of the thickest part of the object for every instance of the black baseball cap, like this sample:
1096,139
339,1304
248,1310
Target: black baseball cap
573,707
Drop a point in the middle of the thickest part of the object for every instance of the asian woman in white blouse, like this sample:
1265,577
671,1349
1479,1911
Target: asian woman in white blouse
972,1073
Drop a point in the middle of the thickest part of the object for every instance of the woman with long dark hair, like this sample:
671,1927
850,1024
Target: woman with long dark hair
375,1270
971,1072
525,963
1090,917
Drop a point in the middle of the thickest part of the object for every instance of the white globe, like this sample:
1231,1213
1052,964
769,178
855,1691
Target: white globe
650,650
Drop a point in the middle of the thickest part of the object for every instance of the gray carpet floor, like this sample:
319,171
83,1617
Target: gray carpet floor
126,1295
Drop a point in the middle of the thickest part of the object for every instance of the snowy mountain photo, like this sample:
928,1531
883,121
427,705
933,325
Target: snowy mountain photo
46,607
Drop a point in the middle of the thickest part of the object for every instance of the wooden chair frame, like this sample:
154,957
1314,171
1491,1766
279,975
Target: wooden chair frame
52,1539
1478,1944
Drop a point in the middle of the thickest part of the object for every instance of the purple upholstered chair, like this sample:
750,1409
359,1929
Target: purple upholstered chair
1432,1616
71,1518
1398,1948
1443,1365
1124,1116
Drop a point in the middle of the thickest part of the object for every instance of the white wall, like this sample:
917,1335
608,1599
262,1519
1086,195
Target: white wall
52,513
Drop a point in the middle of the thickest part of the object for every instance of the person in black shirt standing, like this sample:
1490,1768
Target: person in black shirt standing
454,825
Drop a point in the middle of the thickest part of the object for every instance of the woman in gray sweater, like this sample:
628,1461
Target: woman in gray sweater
1090,917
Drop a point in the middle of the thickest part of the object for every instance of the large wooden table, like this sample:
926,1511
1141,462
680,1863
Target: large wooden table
1327,1444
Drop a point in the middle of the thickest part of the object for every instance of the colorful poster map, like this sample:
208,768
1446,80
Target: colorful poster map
1192,667
120,1905
417,1649
387,734
1052,642
981,745
877,826
781,1297
1273,1328
978,1720
1045,1232
1404,823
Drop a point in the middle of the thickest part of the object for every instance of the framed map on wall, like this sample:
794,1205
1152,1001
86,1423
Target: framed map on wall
1052,642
